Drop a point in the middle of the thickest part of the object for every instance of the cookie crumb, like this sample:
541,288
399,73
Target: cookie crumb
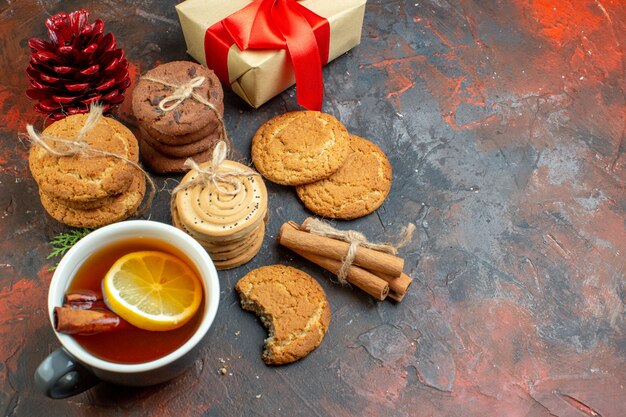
258,396
237,333
223,371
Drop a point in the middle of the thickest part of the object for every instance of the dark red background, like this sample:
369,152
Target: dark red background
504,123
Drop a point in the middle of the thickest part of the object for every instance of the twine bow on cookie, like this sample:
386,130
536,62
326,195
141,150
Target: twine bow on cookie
79,147
213,176
356,239
183,92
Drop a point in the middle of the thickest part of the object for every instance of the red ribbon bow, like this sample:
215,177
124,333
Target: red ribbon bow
275,24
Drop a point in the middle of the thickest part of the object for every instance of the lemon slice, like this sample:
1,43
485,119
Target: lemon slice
152,290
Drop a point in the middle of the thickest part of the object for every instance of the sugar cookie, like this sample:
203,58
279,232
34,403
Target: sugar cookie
300,147
84,179
293,307
358,188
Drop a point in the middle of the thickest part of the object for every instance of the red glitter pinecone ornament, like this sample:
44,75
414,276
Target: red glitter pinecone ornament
79,66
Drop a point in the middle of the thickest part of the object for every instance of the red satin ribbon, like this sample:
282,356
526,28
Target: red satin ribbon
275,24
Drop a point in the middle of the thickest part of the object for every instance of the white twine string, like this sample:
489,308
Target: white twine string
78,147
355,239
181,92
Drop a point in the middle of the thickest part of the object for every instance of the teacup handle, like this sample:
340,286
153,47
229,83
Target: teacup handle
61,376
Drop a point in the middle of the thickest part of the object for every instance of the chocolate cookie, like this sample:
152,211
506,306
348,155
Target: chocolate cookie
121,207
84,179
358,188
300,147
293,307
182,151
162,164
188,117
213,126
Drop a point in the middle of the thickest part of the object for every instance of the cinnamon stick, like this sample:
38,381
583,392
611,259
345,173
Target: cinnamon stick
85,322
83,299
301,241
398,286
359,277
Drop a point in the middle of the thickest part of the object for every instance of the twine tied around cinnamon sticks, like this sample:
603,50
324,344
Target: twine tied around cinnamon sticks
355,239
212,175
346,253
79,147
183,92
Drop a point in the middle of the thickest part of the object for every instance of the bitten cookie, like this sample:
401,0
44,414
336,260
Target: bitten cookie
85,179
291,305
300,147
191,115
358,188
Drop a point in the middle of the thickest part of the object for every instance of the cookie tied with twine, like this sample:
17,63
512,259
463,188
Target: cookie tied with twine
184,92
222,203
178,98
179,107
181,93
86,167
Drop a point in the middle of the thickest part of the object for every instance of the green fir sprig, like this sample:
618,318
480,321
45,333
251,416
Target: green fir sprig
62,242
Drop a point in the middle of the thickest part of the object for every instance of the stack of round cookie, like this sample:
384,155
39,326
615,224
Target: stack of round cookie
91,188
336,174
226,217
169,103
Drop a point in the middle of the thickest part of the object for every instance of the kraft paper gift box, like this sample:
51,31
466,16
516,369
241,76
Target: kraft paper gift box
258,75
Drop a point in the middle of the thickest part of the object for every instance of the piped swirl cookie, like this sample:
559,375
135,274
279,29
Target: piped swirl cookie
300,147
206,210
223,208
291,305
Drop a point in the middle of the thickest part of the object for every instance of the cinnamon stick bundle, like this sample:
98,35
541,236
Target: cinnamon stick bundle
377,273
372,260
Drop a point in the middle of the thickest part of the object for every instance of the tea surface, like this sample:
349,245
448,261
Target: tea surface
131,345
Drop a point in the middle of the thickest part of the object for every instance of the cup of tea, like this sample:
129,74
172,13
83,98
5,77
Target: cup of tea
124,355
